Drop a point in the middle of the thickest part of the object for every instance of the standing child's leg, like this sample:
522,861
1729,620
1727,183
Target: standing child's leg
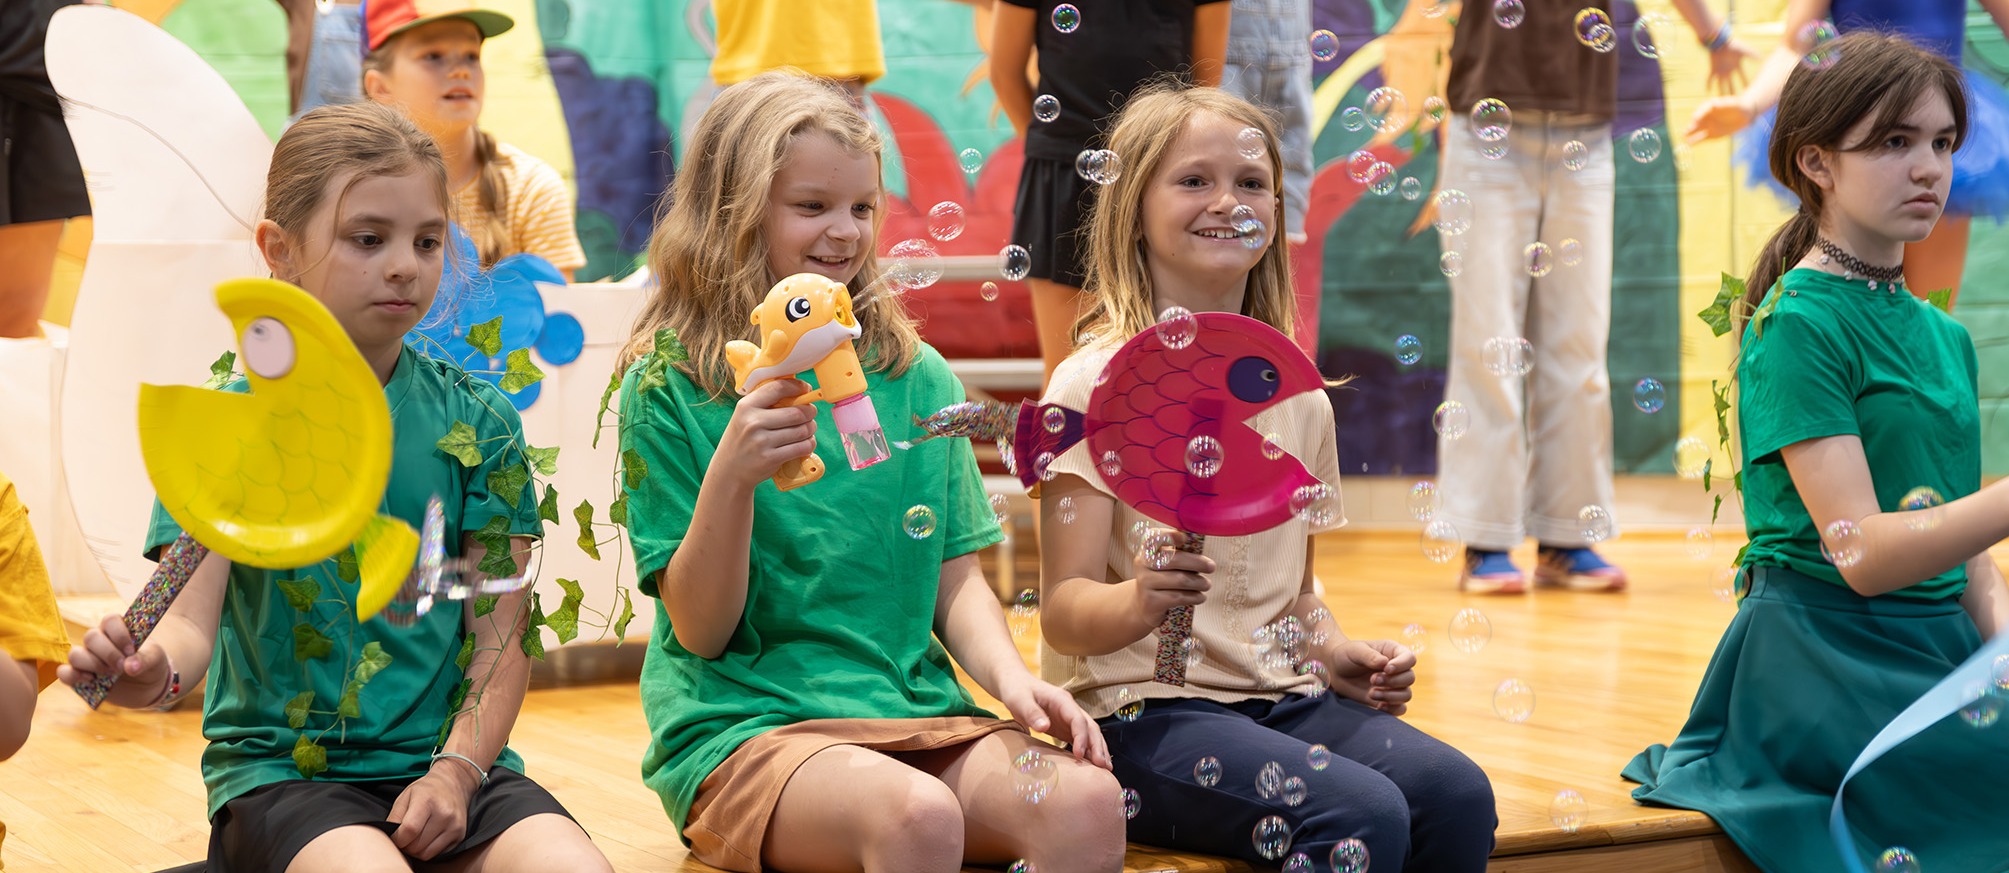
1076,826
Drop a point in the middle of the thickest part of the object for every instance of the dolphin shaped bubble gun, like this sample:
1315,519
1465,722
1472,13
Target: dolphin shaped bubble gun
807,323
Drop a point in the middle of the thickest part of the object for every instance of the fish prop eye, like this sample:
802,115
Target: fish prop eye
798,309
1253,380
268,348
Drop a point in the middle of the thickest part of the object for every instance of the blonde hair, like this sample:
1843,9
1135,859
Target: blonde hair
489,189
1119,285
366,139
708,253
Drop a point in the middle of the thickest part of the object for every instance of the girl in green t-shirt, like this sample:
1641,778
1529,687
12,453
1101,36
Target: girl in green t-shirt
336,745
1867,579
798,681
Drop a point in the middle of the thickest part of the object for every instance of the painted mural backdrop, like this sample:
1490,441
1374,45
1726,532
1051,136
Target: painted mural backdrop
601,87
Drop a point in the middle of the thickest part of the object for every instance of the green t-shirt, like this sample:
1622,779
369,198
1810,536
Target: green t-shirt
840,600
1833,357
253,673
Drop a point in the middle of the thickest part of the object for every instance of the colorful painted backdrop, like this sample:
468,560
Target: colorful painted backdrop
600,87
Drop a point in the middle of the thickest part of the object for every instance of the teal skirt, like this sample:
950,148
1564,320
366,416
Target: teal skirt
1807,673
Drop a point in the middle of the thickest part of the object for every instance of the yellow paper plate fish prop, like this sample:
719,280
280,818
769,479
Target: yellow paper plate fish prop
292,472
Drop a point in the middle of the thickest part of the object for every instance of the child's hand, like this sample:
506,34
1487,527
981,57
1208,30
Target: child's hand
108,650
1375,672
1045,707
1167,577
431,814
762,437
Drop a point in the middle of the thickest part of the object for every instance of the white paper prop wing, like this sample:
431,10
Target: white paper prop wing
175,164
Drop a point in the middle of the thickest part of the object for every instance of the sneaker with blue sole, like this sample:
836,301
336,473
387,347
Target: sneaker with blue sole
1577,569
1488,572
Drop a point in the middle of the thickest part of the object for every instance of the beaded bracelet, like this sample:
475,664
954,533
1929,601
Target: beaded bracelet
1722,37
170,692
465,760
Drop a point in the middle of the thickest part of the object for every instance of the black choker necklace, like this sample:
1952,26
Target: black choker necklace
1853,266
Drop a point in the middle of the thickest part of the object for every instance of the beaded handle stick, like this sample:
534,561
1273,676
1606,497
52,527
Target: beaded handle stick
1176,629
167,581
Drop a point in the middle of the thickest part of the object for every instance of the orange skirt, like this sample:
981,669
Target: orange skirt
729,816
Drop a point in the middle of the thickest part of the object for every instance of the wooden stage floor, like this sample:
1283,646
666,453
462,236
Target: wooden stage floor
1610,674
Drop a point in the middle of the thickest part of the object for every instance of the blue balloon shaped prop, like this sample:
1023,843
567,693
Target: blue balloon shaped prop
563,339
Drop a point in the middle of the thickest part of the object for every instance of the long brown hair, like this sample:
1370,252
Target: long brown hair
1873,73
366,139
492,238
708,253
1119,285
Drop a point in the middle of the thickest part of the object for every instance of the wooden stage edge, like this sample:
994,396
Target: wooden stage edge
1611,674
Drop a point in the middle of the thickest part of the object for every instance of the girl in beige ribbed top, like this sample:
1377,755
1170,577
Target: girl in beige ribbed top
1282,716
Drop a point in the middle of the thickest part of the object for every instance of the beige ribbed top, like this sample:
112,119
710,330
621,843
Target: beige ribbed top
1258,579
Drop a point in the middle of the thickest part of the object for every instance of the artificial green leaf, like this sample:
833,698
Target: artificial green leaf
486,337
221,372
1706,479
309,757
606,398
374,660
1722,393
583,514
460,443
300,593
655,374
545,460
347,567
507,483
485,604
351,705
466,655
1718,313
296,709
1718,510
617,512
494,538
1764,311
1738,480
670,347
565,619
547,508
310,643
520,373
633,468
1942,298
533,635
627,615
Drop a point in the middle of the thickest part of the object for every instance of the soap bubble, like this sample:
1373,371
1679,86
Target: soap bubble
1644,144
916,264
1034,776
1408,349
1272,837
1411,188
1594,522
945,221
1440,541
1244,221
1576,155
989,291
1537,260
1642,35
1046,107
1207,771
1318,756
1324,45
1897,859
1508,356
1514,701
1269,780
971,160
1815,42
1177,327
1923,502
1508,14
1571,252
1491,119
1424,501
1353,119
1131,803
1350,854
919,522
1299,862
1203,456
1471,630
1001,508
1128,705
1594,30
1842,543
1252,144
1451,420
1066,18
1568,810
1454,212
1691,454
1387,109
1415,638
1295,791
1014,262
1451,264
1701,543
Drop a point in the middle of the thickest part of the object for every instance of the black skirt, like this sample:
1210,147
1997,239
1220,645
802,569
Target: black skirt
1051,220
262,829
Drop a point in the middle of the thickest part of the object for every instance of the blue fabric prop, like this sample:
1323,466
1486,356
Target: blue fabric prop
469,295
1988,666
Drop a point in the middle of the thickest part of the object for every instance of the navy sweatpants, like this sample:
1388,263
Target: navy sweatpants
1417,803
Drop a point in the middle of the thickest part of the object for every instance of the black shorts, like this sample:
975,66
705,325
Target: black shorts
40,179
1051,220
262,829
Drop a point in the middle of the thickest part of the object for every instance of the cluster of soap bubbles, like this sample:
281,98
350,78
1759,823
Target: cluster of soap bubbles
1098,166
914,264
1023,616
1508,355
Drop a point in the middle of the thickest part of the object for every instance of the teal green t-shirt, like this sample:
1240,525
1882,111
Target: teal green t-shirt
1833,357
254,672
840,602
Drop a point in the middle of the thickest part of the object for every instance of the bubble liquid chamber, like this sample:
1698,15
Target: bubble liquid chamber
858,427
